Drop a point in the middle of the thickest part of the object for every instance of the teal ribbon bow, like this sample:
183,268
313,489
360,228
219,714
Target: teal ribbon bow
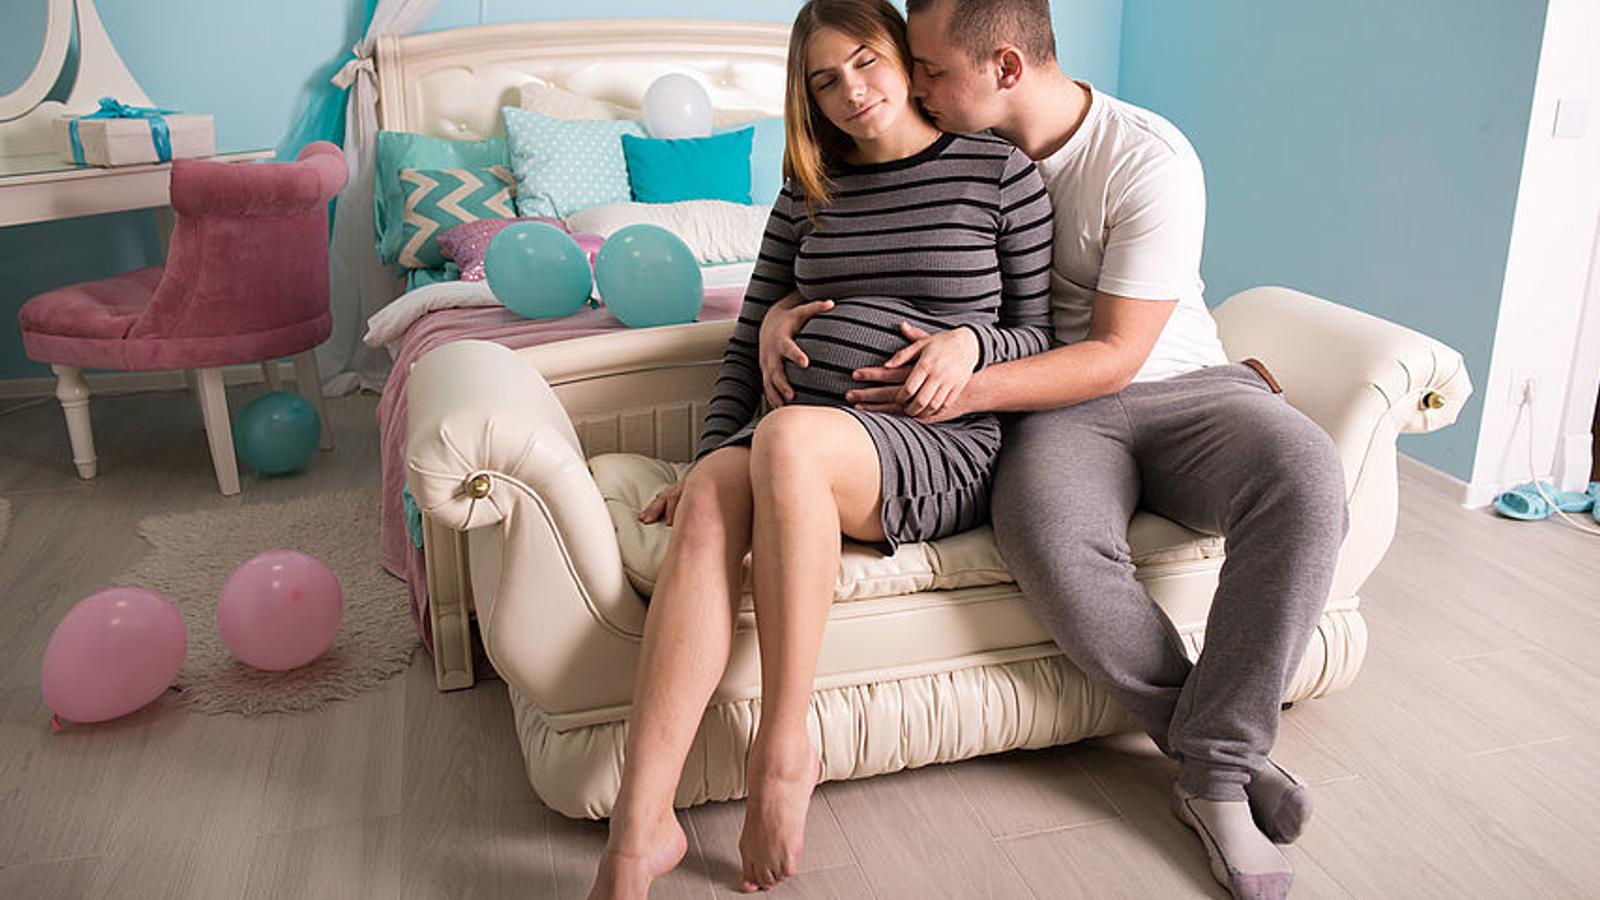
110,108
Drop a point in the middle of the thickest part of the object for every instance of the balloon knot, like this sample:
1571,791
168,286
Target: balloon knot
55,724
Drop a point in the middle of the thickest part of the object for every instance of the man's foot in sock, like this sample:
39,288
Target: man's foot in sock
1280,803
1242,859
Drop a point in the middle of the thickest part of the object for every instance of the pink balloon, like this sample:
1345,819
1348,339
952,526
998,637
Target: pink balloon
280,610
112,653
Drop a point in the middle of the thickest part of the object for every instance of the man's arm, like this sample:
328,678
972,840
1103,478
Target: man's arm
1121,335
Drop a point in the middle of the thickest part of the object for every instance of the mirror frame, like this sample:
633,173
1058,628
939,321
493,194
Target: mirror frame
46,71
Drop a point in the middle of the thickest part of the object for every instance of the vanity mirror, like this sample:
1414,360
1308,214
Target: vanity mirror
46,32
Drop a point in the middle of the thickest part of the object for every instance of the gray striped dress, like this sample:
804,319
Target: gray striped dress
957,235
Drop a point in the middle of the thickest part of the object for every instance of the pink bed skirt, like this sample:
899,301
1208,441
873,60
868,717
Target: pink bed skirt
435,329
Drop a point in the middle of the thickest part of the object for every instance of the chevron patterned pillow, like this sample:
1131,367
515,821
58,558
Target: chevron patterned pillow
437,200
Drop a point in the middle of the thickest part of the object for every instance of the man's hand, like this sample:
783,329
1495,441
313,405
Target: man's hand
664,506
943,368
783,321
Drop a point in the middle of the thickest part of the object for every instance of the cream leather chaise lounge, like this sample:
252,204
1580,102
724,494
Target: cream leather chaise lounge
929,656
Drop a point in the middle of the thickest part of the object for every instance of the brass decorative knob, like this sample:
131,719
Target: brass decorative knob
1433,400
479,486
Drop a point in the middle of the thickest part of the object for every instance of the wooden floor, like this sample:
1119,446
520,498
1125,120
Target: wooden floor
1462,763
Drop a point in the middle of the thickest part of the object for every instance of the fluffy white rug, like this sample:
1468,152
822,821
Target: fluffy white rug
194,552
5,520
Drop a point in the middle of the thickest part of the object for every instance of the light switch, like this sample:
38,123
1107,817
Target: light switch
1572,118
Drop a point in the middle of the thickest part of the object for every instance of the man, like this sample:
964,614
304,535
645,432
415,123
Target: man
1135,407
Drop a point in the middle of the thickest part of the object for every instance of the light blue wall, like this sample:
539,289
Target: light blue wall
252,63
1365,150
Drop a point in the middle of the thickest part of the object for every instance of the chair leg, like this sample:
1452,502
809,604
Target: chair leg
271,375
219,430
309,381
73,393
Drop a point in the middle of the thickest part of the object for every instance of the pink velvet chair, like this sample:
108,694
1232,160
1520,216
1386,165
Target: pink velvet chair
246,281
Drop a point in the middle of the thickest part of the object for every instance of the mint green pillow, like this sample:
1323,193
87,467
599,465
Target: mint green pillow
438,200
564,165
398,150
672,169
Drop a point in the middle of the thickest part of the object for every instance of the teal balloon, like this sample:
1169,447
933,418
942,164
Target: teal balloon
276,433
538,271
648,276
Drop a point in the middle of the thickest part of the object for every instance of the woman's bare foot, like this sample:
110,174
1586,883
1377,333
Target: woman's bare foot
635,857
775,815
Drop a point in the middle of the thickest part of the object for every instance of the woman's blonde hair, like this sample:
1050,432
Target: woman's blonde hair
812,144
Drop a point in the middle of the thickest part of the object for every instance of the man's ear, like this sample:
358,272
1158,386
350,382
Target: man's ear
1008,66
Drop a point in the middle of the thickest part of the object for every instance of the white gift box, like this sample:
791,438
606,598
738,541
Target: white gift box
122,142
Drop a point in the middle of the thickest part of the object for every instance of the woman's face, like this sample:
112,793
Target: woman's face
861,92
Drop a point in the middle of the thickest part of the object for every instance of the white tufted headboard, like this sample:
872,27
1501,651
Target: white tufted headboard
452,83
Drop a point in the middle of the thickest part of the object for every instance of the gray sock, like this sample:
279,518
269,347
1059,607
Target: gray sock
1280,803
1242,859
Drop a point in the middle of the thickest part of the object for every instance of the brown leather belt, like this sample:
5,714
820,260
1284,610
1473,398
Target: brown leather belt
1266,375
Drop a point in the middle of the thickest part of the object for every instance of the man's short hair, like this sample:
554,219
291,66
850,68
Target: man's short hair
980,27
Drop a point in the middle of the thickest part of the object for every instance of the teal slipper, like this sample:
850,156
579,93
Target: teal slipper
1526,506
1566,501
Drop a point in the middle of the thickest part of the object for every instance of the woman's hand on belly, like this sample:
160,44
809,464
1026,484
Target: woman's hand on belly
784,321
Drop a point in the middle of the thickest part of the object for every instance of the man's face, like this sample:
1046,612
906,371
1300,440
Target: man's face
957,93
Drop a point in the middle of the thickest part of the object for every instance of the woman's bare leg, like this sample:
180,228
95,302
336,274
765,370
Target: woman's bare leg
688,635
814,473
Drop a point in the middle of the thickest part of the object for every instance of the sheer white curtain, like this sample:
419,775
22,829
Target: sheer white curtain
360,284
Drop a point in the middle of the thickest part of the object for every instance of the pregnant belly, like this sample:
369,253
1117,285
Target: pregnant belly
856,333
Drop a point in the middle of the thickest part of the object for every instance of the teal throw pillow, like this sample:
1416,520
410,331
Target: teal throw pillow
564,165
437,200
766,158
673,169
398,150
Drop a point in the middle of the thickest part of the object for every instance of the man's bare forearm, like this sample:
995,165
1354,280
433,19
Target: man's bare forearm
1058,377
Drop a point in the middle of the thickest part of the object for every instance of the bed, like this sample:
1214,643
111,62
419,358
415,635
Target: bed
452,84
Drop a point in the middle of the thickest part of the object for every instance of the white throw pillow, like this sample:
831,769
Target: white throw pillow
545,98
715,230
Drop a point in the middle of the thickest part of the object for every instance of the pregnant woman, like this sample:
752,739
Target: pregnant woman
904,226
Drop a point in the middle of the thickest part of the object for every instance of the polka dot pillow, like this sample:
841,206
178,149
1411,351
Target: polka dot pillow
564,165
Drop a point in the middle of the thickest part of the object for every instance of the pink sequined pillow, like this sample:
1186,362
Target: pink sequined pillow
466,244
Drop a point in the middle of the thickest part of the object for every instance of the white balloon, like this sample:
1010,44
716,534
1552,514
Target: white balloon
676,106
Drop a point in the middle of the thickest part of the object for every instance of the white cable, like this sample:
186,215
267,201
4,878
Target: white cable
1565,518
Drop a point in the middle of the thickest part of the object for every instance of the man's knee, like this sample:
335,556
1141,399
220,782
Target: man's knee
1296,489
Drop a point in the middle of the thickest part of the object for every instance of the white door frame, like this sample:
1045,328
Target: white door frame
1576,445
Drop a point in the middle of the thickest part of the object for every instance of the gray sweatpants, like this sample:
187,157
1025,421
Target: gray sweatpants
1217,450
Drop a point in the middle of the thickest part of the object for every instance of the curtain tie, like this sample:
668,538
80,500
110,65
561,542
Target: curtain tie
351,70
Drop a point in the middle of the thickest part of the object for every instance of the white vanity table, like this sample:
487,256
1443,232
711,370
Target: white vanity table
35,184
42,188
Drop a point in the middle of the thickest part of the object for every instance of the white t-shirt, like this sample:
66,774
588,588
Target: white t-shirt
1130,217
